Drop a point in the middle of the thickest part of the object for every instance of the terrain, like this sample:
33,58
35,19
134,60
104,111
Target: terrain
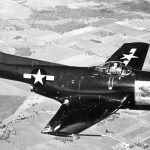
76,33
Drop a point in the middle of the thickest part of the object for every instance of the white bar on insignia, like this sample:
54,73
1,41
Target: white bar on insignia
50,78
27,76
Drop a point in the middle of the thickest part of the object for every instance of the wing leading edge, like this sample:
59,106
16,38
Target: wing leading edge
131,54
79,114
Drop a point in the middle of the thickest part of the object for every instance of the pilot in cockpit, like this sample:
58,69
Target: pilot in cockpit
115,68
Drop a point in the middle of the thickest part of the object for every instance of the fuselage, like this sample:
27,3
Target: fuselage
71,81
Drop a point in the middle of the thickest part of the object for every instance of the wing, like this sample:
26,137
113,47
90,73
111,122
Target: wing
79,114
131,54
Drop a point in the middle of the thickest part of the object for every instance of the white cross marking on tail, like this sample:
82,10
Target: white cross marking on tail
128,57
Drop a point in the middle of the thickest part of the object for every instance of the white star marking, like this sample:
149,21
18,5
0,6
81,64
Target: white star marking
129,56
38,77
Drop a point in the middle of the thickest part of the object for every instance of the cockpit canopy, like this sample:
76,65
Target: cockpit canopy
115,68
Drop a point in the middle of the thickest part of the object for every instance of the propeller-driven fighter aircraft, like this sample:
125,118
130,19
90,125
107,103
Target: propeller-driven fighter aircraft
87,94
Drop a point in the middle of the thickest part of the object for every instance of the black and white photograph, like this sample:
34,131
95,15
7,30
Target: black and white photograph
74,74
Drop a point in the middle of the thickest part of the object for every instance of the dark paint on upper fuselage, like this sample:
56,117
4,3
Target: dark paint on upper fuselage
72,81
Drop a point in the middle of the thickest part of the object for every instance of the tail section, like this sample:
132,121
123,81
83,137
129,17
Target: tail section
131,54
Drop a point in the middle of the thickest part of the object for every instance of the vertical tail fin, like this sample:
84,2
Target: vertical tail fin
131,54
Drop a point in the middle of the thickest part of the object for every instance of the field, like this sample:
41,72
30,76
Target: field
76,33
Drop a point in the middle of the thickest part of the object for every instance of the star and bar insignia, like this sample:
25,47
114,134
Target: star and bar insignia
39,77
